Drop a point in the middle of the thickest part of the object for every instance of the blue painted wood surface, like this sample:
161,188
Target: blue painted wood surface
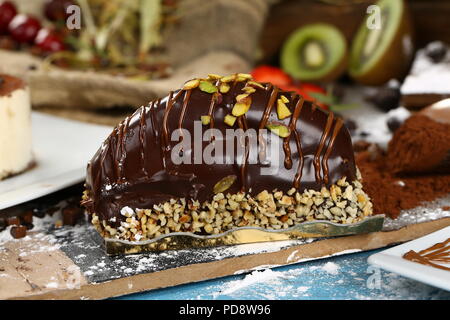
341,277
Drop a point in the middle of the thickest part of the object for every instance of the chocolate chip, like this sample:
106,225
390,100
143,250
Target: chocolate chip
393,123
1,81
32,67
385,98
39,212
71,215
2,223
351,125
29,226
364,134
13,221
436,51
18,232
51,211
27,217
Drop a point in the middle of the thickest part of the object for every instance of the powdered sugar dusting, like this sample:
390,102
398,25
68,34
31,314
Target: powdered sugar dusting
371,121
251,279
427,76
428,212
5,235
292,257
52,285
331,268
346,277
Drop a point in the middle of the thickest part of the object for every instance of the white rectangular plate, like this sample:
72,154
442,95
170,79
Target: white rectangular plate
391,260
62,149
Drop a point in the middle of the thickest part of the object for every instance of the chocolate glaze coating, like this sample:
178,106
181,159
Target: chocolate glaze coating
134,167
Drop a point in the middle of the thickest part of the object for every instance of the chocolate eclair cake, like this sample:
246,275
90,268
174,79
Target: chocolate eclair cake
152,176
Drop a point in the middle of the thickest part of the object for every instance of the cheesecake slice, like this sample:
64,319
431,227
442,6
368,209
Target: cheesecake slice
15,127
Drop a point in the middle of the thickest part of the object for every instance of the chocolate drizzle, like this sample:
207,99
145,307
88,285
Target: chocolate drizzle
337,128
187,95
265,117
432,256
165,132
129,171
269,106
321,145
242,121
142,127
292,126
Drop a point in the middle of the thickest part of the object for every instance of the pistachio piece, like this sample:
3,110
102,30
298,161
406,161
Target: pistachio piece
279,129
246,76
284,99
282,110
213,76
224,88
191,84
228,78
207,86
230,120
248,90
242,107
224,184
241,97
205,120
255,84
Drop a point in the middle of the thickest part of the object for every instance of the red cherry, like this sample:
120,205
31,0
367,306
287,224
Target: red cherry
7,12
310,87
56,10
24,28
49,41
271,74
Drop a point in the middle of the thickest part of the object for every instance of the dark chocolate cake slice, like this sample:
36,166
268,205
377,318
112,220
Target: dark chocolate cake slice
223,153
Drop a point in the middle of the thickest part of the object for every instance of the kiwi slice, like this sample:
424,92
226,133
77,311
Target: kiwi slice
315,52
380,54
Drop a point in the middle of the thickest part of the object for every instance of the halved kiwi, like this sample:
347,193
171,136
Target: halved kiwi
315,52
380,54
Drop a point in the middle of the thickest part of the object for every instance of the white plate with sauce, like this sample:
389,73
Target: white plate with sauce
392,260
62,149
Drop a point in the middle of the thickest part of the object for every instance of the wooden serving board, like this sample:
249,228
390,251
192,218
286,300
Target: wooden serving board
70,262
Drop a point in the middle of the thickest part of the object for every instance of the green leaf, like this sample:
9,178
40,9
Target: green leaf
343,106
326,99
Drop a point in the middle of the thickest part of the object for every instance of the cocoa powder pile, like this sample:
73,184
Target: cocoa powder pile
390,192
420,145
